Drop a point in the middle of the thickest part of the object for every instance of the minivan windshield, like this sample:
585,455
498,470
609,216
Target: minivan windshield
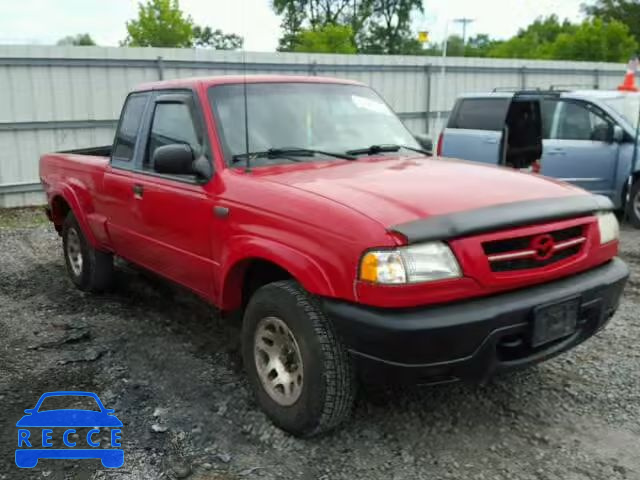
627,105
322,117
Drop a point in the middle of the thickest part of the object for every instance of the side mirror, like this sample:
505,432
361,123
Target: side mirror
425,142
174,159
618,134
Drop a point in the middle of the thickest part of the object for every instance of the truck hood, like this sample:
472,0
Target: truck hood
395,190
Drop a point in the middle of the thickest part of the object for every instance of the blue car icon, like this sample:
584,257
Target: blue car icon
31,448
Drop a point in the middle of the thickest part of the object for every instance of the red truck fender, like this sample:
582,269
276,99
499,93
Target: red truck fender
67,198
243,251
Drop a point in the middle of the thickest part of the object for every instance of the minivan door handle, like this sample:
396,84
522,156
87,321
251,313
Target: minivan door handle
490,140
138,190
557,151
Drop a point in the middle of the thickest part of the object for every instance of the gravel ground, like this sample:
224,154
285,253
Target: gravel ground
170,367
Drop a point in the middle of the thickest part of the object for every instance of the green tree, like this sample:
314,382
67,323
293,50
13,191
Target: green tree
327,39
478,46
301,15
595,40
388,28
217,39
533,41
377,26
81,39
592,40
160,23
625,11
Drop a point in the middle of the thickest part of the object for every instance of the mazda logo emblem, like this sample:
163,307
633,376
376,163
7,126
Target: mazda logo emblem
543,246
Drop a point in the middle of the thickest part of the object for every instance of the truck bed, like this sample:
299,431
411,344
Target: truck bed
103,151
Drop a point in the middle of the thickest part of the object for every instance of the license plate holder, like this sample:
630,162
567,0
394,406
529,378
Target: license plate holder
554,321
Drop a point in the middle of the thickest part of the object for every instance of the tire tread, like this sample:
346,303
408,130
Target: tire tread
339,375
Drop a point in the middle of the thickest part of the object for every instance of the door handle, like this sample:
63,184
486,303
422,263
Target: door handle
220,212
138,190
557,151
490,140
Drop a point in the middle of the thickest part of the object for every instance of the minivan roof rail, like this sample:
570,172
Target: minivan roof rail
569,87
514,89
529,91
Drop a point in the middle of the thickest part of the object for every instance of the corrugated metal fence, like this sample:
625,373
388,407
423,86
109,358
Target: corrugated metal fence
56,98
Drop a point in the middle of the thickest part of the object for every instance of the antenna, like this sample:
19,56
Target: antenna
246,113
246,106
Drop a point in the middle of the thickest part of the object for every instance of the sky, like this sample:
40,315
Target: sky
45,21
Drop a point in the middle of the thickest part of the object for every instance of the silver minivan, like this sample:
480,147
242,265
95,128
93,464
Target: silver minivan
584,137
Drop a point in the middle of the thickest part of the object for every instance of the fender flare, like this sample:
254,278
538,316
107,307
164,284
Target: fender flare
245,249
69,195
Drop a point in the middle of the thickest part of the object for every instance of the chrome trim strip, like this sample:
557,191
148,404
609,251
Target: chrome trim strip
530,253
589,179
510,256
569,243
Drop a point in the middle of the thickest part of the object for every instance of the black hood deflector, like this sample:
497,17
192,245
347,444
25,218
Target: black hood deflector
496,217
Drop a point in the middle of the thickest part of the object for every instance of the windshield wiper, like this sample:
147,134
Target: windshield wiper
373,149
289,153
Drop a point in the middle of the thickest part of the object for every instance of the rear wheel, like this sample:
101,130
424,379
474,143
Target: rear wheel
90,270
633,207
299,370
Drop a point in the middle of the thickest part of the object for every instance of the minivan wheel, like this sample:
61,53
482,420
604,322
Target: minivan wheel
90,270
300,371
633,210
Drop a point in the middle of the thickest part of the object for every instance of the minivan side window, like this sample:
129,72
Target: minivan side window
172,123
577,122
480,114
127,133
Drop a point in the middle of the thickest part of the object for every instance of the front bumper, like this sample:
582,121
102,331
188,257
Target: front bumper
473,339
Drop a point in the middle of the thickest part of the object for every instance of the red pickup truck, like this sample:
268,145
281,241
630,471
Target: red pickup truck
354,256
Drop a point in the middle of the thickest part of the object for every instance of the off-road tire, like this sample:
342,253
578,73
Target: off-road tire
329,384
96,273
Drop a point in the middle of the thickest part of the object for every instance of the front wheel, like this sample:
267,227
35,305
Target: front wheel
299,370
633,208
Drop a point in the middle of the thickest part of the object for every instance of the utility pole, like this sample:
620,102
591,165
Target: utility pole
464,22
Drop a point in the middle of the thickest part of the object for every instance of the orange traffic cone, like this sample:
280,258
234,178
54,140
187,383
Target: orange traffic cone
629,83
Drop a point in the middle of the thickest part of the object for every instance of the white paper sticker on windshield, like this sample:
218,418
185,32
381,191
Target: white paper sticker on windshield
369,104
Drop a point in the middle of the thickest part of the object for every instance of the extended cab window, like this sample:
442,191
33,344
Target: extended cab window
172,123
480,114
127,134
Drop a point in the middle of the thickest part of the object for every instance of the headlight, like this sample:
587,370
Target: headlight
414,264
608,226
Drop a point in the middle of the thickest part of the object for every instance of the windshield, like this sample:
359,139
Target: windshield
627,105
315,116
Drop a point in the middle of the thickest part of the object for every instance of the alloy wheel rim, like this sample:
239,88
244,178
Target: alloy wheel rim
74,252
278,361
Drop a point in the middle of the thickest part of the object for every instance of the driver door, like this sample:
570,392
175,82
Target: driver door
175,212
579,146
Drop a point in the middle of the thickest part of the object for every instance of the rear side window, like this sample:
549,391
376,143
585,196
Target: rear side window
480,114
127,134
